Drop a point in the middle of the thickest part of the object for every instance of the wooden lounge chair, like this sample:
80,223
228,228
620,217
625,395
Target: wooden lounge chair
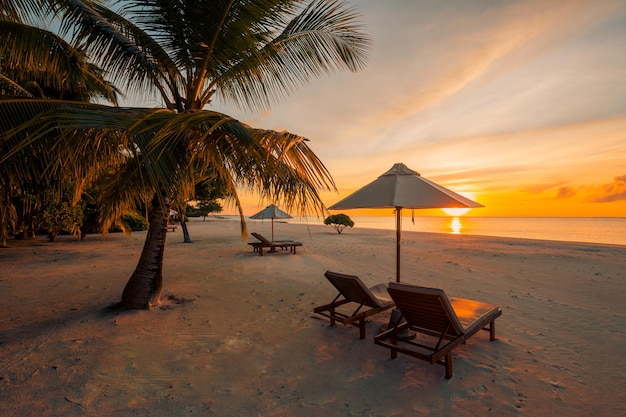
265,243
353,292
441,323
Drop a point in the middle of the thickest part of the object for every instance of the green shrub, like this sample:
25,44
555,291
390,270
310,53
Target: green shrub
62,217
135,222
339,222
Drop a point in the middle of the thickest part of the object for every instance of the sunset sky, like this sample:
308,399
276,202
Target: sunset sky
520,105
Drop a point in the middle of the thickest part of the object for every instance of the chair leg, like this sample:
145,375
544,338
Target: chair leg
492,331
394,352
449,365
362,328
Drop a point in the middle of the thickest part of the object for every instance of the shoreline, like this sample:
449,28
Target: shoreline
236,335
499,235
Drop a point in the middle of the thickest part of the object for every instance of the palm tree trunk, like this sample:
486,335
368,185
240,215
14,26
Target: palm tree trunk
143,289
183,225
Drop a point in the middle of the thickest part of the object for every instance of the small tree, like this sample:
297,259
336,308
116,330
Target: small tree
206,207
339,222
62,216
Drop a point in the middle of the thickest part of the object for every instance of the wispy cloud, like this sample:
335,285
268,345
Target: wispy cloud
484,45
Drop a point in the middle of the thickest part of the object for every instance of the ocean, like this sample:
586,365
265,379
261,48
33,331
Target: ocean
609,230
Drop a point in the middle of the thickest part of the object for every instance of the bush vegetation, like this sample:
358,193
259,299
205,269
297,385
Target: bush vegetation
339,222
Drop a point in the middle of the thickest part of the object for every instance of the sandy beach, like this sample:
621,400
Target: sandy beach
236,334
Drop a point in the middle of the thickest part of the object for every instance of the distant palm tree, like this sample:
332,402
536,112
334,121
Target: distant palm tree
247,52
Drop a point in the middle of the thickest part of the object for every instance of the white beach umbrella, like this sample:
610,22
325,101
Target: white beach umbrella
399,188
271,212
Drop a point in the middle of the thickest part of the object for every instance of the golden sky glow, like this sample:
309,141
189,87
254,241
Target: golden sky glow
520,103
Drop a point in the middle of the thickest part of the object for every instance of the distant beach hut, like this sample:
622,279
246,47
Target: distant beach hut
271,212
399,188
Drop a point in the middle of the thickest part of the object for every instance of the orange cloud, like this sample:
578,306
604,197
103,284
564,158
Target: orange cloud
615,191
565,192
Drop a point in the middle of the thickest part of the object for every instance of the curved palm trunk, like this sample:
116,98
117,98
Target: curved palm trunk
143,289
183,225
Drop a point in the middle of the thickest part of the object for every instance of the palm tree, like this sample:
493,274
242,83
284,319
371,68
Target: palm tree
247,52
37,63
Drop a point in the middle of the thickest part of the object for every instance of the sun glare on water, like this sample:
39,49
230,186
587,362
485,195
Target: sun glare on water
456,226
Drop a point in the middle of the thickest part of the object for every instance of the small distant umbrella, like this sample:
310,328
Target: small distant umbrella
399,188
271,212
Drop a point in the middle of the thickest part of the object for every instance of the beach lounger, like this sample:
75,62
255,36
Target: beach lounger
265,243
353,293
441,323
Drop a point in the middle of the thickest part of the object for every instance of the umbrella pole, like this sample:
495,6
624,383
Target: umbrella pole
273,249
396,316
398,236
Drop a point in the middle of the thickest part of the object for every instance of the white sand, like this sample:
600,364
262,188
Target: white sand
236,335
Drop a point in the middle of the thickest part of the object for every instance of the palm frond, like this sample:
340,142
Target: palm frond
52,67
131,56
8,87
325,37
155,148
20,10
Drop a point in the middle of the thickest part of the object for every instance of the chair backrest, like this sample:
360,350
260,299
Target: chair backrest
261,238
426,308
353,289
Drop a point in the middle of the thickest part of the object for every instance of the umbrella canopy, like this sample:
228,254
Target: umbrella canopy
399,188
271,212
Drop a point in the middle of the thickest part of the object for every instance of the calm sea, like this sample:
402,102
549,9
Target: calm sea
611,230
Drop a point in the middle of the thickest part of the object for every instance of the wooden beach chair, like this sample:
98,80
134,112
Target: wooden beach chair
441,323
352,292
263,242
